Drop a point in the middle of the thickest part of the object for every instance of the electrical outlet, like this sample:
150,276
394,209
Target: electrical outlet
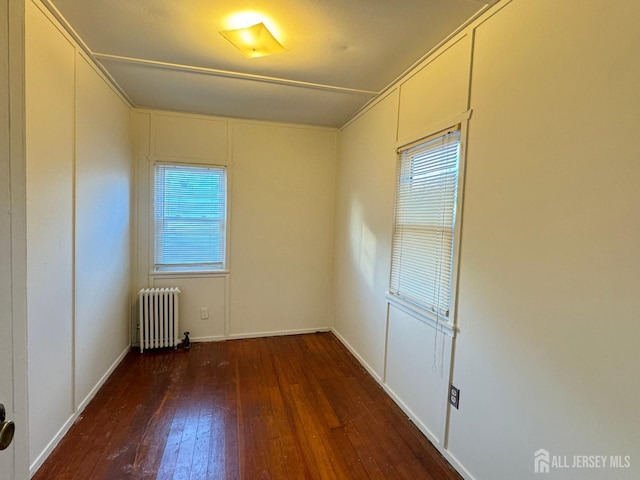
204,313
454,396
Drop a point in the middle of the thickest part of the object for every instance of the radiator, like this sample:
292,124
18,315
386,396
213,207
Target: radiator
159,318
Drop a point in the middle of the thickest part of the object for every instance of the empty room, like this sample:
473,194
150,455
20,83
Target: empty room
319,239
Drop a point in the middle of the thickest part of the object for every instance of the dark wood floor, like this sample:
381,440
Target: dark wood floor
295,407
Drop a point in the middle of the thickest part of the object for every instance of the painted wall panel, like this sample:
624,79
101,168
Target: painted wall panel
103,185
364,222
174,136
437,91
417,369
282,210
549,303
142,208
197,293
50,136
193,140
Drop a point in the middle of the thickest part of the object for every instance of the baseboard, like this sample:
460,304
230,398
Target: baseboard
355,353
455,463
412,416
71,420
277,333
215,338
82,405
240,336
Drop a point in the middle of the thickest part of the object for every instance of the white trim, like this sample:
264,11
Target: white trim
241,336
190,274
188,161
355,353
428,318
277,333
12,148
480,17
231,120
453,461
457,234
433,438
74,236
196,162
428,138
62,24
40,459
103,379
231,74
153,162
214,338
447,326
435,129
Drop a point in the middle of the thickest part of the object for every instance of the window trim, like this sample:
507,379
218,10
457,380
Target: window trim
193,162
459,122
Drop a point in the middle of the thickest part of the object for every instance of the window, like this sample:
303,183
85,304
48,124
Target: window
190,218
423,237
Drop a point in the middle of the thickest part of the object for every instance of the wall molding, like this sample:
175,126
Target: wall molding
355,353
277,333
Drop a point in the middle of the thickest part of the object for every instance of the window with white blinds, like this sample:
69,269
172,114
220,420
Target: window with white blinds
190,205
423,237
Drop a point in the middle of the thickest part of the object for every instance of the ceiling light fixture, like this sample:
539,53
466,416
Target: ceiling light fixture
254,41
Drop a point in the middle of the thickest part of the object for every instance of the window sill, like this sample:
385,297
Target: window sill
190,274
425,317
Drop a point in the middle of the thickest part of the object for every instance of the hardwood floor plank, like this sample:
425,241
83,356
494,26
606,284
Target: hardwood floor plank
283,408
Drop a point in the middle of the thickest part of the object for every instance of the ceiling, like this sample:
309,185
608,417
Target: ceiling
167,54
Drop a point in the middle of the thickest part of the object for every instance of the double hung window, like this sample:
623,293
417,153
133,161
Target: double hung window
190,204
425,216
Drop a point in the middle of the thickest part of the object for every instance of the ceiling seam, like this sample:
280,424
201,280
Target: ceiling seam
53,10
489,8
230,74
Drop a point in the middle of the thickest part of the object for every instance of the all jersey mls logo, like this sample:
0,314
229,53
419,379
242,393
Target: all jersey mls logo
543,461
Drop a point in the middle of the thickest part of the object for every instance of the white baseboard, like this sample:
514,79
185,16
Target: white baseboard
215,338
240,336
37,463
455,463
361,360
102,380
412,416
277,333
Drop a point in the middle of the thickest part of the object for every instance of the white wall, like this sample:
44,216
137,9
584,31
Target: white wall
364,220
281,207
78,183
50,94
549,302
102,234
547,349
407,356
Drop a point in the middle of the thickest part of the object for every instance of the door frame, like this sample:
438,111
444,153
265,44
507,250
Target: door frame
12,148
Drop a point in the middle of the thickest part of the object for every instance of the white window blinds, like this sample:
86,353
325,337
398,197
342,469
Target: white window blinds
422,252
190,218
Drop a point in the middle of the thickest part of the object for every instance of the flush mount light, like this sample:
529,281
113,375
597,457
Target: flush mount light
254,41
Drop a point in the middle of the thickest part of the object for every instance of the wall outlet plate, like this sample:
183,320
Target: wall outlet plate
454,396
